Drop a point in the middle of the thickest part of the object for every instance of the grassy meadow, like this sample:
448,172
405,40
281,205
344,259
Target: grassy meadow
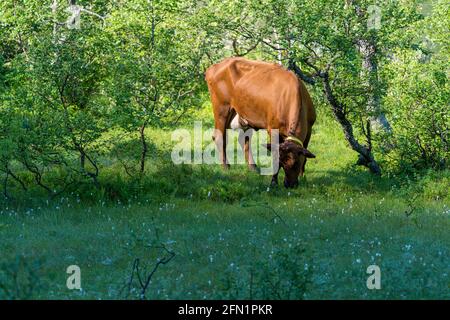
232,237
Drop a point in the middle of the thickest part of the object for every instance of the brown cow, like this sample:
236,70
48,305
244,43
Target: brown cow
265,96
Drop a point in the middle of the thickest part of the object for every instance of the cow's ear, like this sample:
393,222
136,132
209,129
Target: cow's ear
307,153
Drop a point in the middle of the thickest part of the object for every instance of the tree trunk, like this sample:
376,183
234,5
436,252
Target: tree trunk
82,160
83,157
369,75
144,149
365,154
368,50
55,20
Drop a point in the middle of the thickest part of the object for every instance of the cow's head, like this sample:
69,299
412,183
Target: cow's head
290,152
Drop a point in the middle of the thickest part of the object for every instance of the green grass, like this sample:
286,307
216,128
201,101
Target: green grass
231,235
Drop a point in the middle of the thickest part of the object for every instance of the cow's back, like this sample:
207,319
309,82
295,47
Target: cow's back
265,94
223,76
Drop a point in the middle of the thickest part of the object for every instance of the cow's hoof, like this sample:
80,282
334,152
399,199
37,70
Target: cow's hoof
254,168
226,167
274,183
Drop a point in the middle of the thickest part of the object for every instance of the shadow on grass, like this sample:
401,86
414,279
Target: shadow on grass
164,180
214,183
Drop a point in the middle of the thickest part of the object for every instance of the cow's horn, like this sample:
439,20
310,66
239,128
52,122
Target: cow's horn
295,140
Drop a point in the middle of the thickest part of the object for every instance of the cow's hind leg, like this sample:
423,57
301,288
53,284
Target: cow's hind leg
221,122
245,142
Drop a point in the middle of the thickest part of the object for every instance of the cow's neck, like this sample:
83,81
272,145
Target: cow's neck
293,124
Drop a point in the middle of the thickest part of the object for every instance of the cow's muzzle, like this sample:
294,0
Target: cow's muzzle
289,185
